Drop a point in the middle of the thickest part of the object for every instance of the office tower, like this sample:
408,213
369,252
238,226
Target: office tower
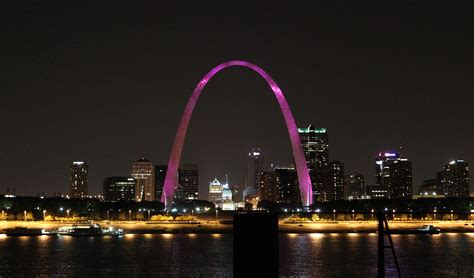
188,179
119,189
355,187
160,175
394,172
79,180
316,149
287,185
335,184
254,167
455,179
144,174
215,191
268,186
315,146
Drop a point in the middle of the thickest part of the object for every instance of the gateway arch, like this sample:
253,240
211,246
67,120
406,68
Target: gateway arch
298,154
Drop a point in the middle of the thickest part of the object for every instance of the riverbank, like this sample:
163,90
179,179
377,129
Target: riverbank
141,227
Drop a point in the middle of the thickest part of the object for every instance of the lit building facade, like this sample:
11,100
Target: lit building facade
455,179
188,179
268,186
215,191
79,180
316,149
144,174
334,188
119,189
394,172
287,185
355,187
377,191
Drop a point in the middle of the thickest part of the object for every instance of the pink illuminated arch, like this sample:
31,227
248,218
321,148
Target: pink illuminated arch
298,154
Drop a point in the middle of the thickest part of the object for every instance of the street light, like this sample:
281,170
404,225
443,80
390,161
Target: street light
393,215
67,211
434,214
129,215
353,217
334,214
24,215
217,216
148,214
44,214
372,214
108,214
452,215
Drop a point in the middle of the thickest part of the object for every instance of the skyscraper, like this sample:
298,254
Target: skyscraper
316,149
254,170
455,179
315,146
334,189
144,174
254,167
188,179
160,175
119,188
394,172
355,187
268,186
287,185
79,179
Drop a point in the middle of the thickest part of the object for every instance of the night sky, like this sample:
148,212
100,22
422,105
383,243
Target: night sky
107,85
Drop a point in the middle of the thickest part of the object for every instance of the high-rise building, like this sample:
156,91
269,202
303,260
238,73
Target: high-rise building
254,167
455,179
355,187
215,191
268,186
287,185
315,146
394,172
334,188
316,149
160,175
79,180
188,179
119,189
144,174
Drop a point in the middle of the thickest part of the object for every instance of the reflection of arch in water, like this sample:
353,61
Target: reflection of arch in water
298,154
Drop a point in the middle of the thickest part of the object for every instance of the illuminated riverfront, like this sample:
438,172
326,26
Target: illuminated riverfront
331,139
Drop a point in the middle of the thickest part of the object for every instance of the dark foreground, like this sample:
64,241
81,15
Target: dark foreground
205,255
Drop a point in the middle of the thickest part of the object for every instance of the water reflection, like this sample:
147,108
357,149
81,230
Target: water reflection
335,255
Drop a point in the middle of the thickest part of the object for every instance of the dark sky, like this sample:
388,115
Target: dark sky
107,84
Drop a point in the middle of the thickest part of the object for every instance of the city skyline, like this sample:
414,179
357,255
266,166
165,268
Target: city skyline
396,88
203,187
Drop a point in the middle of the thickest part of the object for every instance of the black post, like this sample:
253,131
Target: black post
381,247
255,245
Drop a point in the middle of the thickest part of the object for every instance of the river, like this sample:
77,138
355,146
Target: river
201,255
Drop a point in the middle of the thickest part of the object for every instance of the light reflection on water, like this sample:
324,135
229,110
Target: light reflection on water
326,255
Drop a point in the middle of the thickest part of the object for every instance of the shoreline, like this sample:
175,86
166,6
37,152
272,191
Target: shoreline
342,227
